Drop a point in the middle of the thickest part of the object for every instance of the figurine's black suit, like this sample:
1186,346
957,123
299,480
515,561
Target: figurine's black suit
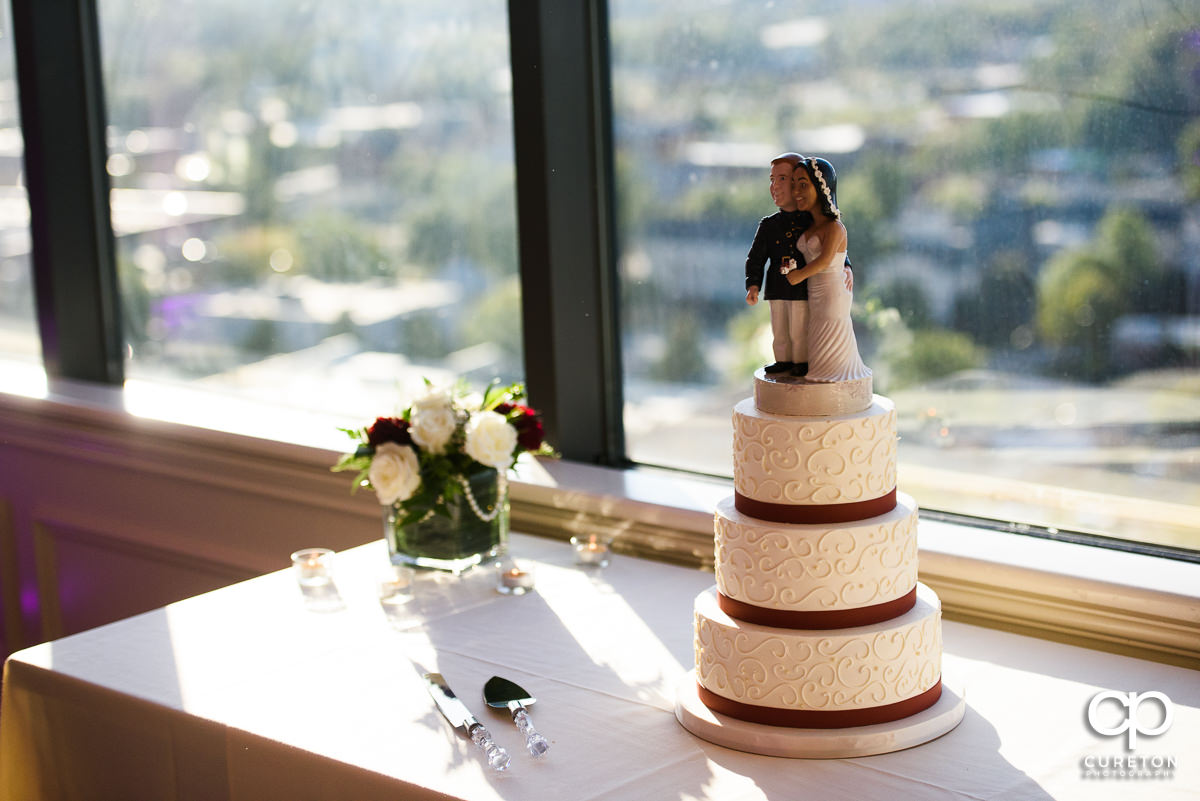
774,240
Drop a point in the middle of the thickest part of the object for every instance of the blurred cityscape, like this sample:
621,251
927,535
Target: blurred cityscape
1019,182
314,207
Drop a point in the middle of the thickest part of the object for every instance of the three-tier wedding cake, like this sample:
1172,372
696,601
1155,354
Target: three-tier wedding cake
817,638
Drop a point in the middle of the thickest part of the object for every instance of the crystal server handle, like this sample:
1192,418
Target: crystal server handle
497,757
536,743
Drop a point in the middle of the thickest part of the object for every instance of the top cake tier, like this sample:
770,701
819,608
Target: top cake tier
783,394
815,469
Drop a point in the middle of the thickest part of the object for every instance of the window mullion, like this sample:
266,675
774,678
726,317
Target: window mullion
564,216
63,122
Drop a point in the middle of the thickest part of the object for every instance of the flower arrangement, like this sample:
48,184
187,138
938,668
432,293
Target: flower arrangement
420,462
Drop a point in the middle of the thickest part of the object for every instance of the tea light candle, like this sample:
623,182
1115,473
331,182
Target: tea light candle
313,566
591,550
514,579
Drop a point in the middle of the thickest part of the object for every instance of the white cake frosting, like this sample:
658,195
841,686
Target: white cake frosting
816,567
835,670
814,460
819,621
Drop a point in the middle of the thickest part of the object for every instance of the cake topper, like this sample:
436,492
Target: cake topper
832,347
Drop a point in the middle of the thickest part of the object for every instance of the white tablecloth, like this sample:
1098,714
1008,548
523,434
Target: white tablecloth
246,693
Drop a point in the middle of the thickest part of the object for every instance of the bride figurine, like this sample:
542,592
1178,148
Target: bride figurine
832,348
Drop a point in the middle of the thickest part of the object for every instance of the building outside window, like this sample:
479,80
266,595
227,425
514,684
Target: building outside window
313,203
18,326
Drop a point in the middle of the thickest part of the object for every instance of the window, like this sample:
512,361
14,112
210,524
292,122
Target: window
18,326
303,192
1019,184
313,203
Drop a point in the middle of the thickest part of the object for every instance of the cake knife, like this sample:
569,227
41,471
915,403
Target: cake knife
460,717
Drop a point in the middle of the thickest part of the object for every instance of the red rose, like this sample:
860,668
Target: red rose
389,429
530,432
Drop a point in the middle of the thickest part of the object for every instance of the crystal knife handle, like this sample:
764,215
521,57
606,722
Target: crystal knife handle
536,743
497,757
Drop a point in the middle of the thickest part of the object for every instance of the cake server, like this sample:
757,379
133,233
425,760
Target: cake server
504,694
460,717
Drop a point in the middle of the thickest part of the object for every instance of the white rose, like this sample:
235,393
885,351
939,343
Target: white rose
433,420
490,440
394,473
432,426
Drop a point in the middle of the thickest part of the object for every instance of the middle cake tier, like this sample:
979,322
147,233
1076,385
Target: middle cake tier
817,576
814,469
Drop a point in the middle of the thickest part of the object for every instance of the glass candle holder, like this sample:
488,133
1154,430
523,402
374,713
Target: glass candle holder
313,567
513,578
592,550
395,587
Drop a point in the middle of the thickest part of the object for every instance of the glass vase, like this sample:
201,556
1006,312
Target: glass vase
460,532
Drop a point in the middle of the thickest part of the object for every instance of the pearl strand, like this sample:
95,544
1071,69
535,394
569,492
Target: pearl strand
501,490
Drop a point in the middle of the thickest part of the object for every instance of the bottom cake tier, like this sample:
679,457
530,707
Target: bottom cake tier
831,678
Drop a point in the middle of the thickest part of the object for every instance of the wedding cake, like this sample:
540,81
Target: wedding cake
817,638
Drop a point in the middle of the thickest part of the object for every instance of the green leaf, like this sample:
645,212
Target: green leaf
497,394
351,461
492,395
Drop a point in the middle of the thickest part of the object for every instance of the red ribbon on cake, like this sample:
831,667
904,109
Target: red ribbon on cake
819,620
815,513
818,718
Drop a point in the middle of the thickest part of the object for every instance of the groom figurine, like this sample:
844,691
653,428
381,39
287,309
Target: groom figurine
774,247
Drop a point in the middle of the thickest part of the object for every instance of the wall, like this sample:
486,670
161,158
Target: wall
104,515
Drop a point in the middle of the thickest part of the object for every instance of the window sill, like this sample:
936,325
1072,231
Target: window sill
1142,606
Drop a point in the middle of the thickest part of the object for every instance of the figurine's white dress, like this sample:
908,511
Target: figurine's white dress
832,348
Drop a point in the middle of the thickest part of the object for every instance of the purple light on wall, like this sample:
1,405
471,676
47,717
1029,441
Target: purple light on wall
30,606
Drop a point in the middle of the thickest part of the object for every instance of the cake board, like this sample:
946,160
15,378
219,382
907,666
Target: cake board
856,741
788,395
